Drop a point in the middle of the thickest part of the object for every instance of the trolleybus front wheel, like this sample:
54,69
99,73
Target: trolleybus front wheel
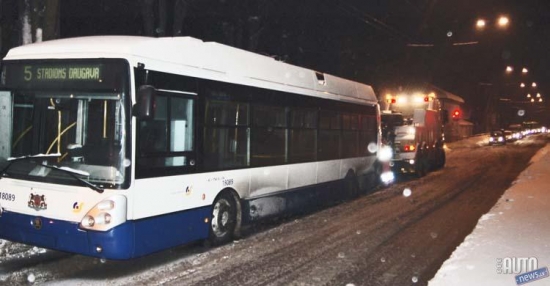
224,219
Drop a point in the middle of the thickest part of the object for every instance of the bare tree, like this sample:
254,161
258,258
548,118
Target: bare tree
256,22
161,29
155,14
180,12
38,20
50,20
147,12
25,22
1,26
241,22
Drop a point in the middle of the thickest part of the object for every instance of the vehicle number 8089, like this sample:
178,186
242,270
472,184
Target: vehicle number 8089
7,196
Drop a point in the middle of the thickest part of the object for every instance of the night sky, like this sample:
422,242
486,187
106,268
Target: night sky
384,43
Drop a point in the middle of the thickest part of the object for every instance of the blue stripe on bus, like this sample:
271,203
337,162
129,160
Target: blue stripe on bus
129,240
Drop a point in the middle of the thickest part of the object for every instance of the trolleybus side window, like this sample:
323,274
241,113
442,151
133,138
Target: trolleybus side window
268,135
369,130
350,135
330,124
226,140
163,139
303,135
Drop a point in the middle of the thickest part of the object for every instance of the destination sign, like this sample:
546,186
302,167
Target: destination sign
101,74
61,73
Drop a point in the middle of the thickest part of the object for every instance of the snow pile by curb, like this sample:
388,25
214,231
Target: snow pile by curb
514,234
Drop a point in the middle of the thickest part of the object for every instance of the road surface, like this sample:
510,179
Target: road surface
384,238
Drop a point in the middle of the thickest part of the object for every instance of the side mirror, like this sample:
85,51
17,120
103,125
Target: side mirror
145,106
444,116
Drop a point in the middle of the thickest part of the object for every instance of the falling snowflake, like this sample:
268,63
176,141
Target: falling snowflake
341,255
372,147
31,278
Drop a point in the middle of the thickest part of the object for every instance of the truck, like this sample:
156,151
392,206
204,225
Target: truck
412,125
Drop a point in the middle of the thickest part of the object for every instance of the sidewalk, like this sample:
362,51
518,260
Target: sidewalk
513,238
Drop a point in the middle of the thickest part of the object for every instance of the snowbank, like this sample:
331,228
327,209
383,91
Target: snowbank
511,238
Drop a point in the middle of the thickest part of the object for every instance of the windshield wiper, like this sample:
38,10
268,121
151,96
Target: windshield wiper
73,173
28,157
70,172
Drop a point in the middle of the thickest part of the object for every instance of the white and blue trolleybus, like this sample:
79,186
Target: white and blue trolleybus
117,146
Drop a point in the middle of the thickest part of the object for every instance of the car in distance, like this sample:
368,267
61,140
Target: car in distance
509,136
497,137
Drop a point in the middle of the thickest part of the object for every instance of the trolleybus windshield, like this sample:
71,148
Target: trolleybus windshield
75,108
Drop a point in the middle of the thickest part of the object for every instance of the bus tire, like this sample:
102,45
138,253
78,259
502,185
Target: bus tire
224,220
421,167
442,159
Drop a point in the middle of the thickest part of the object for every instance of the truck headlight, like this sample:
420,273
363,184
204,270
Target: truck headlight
387,177
385,154
106,214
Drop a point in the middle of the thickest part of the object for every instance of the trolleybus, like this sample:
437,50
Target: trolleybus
118,146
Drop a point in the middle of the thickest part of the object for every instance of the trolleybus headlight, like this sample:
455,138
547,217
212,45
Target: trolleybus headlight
103,218
106,214
106,205
88,221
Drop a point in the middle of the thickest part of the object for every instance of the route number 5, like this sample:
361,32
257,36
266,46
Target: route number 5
28,73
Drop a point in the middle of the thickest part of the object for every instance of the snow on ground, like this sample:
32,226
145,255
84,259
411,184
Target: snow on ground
517,227
470,142
516,230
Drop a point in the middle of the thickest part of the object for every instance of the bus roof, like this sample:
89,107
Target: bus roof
210,60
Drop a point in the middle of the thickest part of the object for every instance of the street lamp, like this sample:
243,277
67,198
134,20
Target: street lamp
534,84
503,21
538,94
524,70
509,69
480,24
522,85
528,95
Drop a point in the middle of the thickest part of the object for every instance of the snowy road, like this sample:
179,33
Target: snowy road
385,238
